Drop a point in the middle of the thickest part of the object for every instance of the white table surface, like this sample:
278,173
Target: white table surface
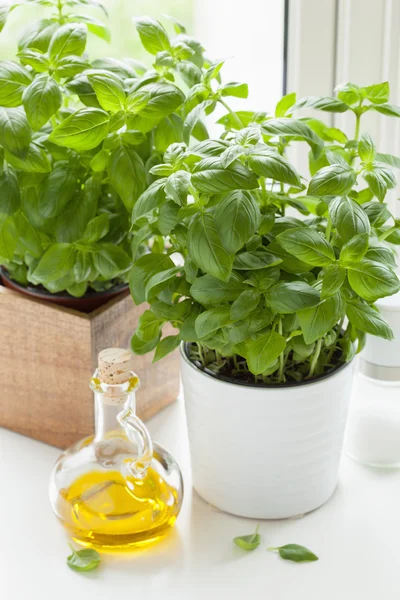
356,535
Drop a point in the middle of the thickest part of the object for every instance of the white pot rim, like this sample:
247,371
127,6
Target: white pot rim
321,380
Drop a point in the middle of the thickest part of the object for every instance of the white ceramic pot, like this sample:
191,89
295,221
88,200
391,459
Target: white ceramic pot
266,453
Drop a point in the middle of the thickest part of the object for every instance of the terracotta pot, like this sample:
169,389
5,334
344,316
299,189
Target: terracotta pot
86,304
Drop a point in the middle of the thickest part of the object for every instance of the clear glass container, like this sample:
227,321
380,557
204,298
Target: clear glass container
373,430
116,489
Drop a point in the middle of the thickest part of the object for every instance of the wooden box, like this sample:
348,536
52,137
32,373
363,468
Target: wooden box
47,356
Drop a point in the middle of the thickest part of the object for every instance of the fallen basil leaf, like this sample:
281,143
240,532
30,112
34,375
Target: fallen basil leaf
295,552
248,542
83,560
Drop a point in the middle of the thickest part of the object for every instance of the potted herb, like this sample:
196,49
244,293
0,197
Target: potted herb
270,280
78,139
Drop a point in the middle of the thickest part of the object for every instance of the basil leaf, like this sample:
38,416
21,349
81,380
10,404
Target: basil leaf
263,351
36,160
9,192
160,281
372,280
57,262
289,297
238,90
110,260
205,247
379,179
149,200
108,89
245,304
285,104
15,133
366,318
152,34
321,103
39,62
149,327
336,179
348,218
377,213
307,245
83,130
387,109
177,187
165,346
140,347
4,10
68,39
231,154
96,229
315,322
42,99
383,254
259,259
13,81
209,290
70,66
289,263
127,174
378,93
210,177
236,219
296,129
211,320
59,187
366,148
248,542
388,159
94,25
168,217
38,35
268,163
354,250
295,553
83,560
333,280
144,268
163,99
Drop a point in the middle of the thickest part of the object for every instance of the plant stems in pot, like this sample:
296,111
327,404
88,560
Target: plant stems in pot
80,141
270,280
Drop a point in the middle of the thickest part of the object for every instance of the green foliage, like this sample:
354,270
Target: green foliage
108,173
266,292
80,142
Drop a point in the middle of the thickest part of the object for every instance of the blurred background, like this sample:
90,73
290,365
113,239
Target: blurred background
276,46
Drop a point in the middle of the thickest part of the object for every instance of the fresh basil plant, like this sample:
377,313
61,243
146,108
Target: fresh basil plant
81,140
268,276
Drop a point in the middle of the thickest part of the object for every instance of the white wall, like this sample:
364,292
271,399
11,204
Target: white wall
249,33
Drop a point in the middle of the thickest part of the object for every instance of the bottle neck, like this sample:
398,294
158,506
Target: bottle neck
105,414
109,401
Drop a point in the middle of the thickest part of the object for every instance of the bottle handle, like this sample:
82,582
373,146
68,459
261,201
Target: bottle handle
138,434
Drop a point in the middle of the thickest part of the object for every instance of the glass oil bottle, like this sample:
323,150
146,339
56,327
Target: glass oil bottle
116,489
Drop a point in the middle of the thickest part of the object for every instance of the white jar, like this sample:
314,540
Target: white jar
373,432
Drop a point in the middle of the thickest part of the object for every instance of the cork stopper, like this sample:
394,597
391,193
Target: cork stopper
115,365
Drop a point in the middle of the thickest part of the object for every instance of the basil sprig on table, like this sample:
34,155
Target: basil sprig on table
295,553
268,275
86,559
292,552
248,542
82,140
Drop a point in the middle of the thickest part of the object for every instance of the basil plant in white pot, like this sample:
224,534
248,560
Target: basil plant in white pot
270,281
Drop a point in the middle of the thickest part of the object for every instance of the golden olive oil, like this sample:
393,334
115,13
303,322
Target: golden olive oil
107,510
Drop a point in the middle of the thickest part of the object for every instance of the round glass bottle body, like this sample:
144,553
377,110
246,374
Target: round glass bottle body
115,489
